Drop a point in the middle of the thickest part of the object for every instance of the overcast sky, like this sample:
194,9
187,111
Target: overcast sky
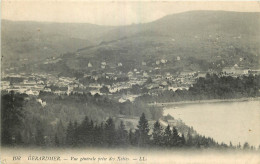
109,13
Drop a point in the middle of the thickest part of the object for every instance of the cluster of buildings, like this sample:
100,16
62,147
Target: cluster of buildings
22,83
32,84
236,71
153,80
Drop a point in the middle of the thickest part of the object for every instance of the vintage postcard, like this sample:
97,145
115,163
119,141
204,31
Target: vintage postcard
130,82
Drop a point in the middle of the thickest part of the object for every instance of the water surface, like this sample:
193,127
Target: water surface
225,122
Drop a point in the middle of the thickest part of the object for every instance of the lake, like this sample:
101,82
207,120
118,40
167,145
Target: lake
225,121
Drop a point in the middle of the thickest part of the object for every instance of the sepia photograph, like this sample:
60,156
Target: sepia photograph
130,82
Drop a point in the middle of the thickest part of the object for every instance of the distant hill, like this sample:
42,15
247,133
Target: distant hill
195,23
24,42
202,39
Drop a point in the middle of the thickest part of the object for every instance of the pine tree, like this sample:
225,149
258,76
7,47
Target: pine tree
157,134
183,141
6,137
56,140
175,137
75,133
39,137
30,137
12,116
91,132
61,133
96,135
189,142
239,146
110,132
131,138
70,134
121,134
246,146
196,141
203,141
142,131
167,136
19,138
84,131
230,145
101,132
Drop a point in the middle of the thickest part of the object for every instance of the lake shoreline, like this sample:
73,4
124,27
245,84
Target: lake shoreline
204,101
235,120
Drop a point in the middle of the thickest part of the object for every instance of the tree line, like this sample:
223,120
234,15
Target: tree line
97,106
25,120
106,134
210,87
20,127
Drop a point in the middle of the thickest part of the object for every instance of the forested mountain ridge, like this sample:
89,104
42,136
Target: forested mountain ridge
28,42
208,36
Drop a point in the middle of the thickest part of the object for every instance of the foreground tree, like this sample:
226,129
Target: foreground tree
56,140
175,137
182,140
167,136
122,134
70,134
131,137
75,133
157,134
142,132
246,146
39,137
12,116
110,132
189,141
60,133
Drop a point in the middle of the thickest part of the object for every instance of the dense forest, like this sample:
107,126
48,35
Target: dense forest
98,107
211,87
105,134
24,115
20,128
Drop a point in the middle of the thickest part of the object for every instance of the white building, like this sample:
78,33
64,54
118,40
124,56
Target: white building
130,74
89,65
145,74
163,61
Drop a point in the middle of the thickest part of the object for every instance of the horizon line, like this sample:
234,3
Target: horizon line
132,24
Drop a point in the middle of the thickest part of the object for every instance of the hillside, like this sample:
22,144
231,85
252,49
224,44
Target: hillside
194,23
202,39
29,42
